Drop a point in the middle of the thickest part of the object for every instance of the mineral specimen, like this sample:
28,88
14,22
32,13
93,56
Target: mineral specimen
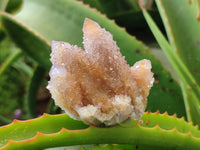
97,85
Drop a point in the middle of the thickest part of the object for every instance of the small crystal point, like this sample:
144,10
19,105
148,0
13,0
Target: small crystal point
90,27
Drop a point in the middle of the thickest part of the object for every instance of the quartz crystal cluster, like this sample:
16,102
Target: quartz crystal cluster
96,85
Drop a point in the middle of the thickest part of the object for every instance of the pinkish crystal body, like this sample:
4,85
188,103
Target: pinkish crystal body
97,85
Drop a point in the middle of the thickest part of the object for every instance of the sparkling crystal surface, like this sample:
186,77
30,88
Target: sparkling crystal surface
96,85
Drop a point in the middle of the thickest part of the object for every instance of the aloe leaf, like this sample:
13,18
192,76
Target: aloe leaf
9,53
152,130
10,5
109,147
113,7
183,31
2,34
134,22
192,107
120,147
45,124
53,109
3,4
104,6
182,71
13,56
65,19
21,66
33,44
33,90
4,120
13,6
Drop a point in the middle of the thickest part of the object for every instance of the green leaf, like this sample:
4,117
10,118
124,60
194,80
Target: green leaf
34,86
182,71
183,31
65,20
2,34
29,41
13,56
13,6
121,147
3,4
22,66
4,120
135,23
112,7
154,130
134,19
191,104
10,5
20,130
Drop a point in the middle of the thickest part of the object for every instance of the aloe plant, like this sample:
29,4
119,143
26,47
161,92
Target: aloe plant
39,22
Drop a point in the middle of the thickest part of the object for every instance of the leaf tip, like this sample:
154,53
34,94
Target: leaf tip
141,4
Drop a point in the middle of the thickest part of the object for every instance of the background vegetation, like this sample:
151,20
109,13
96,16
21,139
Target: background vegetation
26,30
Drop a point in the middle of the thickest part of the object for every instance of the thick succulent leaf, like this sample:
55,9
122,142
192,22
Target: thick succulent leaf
104,6
4,120
9,53
106,147
184,34
152,130
127,18
113,7
6,64
183,31
120,147
33,44
33,89
135,24
2,34
65,20
3,4
13,6
10,5
191,104
189,83
20,130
